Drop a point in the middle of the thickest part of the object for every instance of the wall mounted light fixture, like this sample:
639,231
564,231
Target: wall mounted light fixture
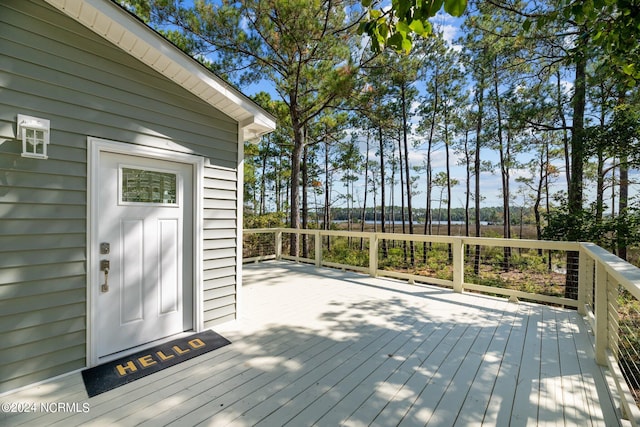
34,133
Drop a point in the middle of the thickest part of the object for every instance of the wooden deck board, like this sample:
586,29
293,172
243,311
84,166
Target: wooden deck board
500,404
550,386
395,410
236,373
454,397
525,404
393,387
324,347
577,406
476,401
394,361
600,401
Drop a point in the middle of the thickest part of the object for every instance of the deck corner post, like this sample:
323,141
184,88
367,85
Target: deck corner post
458,265
318,248
373,254
278,243
582,282
601,312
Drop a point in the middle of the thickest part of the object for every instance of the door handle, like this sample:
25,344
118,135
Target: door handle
104,266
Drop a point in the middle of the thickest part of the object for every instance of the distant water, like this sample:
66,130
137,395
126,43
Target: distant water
415,222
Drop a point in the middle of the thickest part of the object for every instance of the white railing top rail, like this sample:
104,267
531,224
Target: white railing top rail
627,275
484,241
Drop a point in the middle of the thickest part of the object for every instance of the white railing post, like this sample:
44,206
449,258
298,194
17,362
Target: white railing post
458,265
298,238
318,248
278,244
373,254
582,282
601,311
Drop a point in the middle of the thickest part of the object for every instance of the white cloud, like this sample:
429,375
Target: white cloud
449,27
449,32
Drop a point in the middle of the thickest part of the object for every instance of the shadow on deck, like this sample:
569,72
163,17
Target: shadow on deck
326,347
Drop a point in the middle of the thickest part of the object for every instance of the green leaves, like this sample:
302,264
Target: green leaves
420,28
628,69
455,7
406,17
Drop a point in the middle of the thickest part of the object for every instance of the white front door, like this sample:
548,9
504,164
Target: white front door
144,225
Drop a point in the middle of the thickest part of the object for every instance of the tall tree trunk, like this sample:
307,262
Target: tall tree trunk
382,187
547,197
504,171
563,119
366,183
402,212
263,180
467,201
613,191
305,202
536,205
477,165
577,162
392,197
317,208
278,183
600,186
296,159
600,165
428,220
623,201
327,194
406,168
448,171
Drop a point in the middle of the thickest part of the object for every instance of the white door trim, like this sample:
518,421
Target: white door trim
94,147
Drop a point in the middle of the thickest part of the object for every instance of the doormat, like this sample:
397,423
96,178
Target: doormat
119,372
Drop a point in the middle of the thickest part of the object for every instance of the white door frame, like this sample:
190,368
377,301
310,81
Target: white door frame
94,147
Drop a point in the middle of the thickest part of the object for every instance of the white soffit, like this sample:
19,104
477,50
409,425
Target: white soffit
115,24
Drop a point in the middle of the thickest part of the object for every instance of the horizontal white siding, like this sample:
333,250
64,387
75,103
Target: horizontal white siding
54,68
220,225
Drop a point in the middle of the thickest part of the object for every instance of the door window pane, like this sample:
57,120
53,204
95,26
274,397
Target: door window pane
144,186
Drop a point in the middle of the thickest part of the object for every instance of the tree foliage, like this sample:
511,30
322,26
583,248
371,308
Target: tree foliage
396,26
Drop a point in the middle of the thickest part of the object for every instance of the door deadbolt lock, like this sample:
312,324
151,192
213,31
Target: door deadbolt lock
105,248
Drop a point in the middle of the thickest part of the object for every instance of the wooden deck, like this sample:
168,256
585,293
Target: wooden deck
325,347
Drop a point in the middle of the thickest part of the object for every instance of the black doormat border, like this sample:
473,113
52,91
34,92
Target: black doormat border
122,371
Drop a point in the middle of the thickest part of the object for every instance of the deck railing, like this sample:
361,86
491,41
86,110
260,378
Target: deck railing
606,289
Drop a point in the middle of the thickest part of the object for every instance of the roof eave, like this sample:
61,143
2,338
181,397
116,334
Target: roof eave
116,25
